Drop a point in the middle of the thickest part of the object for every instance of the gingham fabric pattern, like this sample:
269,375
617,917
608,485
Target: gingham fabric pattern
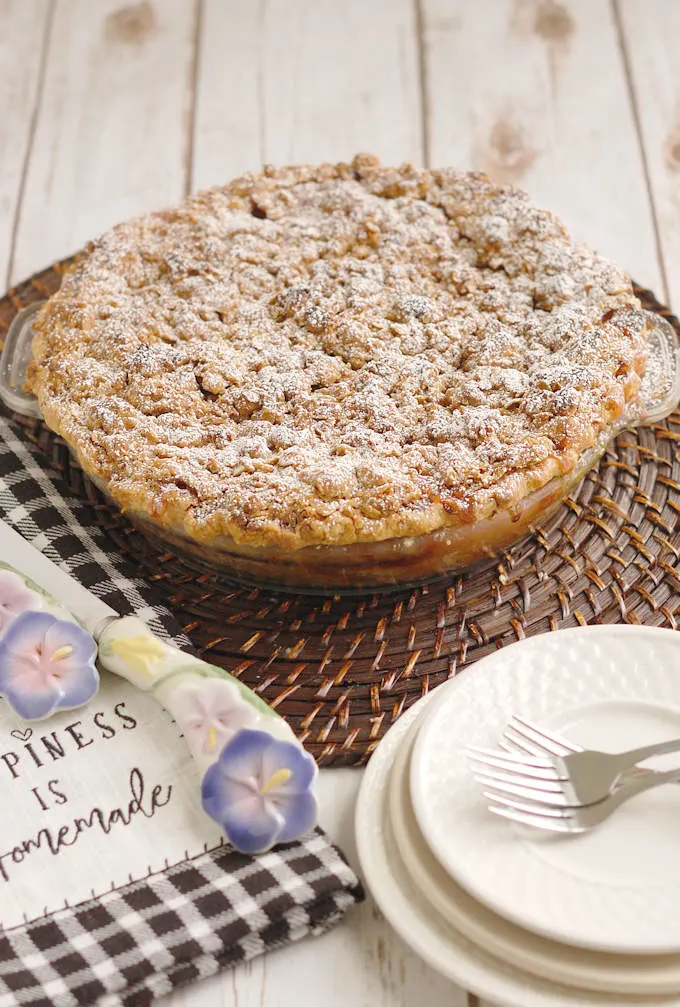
144,940
197,917
38,505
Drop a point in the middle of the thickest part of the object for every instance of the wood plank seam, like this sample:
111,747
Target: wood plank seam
190,139
635,110
39,91
261,103
422,82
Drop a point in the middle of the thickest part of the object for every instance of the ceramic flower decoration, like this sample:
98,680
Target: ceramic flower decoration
260,791
209,711
257,780
15,598
46,664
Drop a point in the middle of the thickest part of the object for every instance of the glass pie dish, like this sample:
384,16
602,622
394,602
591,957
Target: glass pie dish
394,562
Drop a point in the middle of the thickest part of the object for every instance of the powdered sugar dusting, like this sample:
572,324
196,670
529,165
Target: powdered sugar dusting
337,353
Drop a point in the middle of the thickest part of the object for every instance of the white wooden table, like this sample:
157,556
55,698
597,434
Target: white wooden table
107,110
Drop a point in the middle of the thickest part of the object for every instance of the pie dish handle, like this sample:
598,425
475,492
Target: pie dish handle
659,392
257,781
14,360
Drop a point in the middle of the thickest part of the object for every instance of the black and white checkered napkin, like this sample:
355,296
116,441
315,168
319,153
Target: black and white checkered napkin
188,922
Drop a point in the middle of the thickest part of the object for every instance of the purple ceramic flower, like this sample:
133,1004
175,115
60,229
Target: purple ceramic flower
260,791
46,664
15,598
209,711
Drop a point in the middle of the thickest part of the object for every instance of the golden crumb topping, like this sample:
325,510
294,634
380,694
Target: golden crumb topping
333,354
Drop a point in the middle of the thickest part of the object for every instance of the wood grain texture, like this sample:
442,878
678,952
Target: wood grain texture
23,35
288,80
650,34
112,129
534,92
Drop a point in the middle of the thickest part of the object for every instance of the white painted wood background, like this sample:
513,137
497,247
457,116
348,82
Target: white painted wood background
107,110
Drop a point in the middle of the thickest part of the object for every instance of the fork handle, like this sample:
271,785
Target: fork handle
627,760
640,784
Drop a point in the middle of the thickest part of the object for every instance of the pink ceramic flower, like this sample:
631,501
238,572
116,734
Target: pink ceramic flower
210,710
15,598
46,664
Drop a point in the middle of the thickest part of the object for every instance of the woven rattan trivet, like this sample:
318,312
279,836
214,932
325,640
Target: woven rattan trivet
343,669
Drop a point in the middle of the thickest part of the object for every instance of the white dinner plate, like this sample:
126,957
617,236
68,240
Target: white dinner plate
437,942
615,888
652,975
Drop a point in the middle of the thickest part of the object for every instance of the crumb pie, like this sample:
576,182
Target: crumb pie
340,375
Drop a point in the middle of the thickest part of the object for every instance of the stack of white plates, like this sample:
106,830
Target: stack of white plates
523,917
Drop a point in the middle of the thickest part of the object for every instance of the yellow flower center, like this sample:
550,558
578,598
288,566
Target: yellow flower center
62,652
212,738
140,653
280,776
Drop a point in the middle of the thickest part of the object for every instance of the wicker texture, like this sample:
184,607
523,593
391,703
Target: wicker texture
341,670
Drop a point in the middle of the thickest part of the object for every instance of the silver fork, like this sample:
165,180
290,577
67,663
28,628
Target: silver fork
556,778
575,819
524,736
